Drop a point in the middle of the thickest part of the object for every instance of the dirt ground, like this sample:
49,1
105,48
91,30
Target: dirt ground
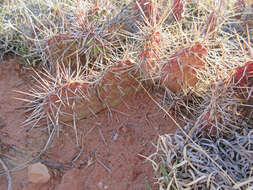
106,156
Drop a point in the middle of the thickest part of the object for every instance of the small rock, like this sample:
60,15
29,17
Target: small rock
115,136
38,173
100,185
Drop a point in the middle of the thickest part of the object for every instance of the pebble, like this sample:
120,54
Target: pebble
100,185
38,173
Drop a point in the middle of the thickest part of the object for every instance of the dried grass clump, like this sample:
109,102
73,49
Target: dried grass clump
30,26
204,162
26,25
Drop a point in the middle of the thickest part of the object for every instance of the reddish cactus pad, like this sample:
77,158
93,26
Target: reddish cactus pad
179,72
243,79
84,99
243,74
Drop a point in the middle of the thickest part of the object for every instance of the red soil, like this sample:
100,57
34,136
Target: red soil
109,145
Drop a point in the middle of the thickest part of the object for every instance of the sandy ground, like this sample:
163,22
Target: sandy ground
106,156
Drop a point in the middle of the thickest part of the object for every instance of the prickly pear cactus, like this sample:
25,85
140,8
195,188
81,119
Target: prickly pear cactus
98,63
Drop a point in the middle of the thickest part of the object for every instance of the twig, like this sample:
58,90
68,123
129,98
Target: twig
102,136
7,174
102,164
